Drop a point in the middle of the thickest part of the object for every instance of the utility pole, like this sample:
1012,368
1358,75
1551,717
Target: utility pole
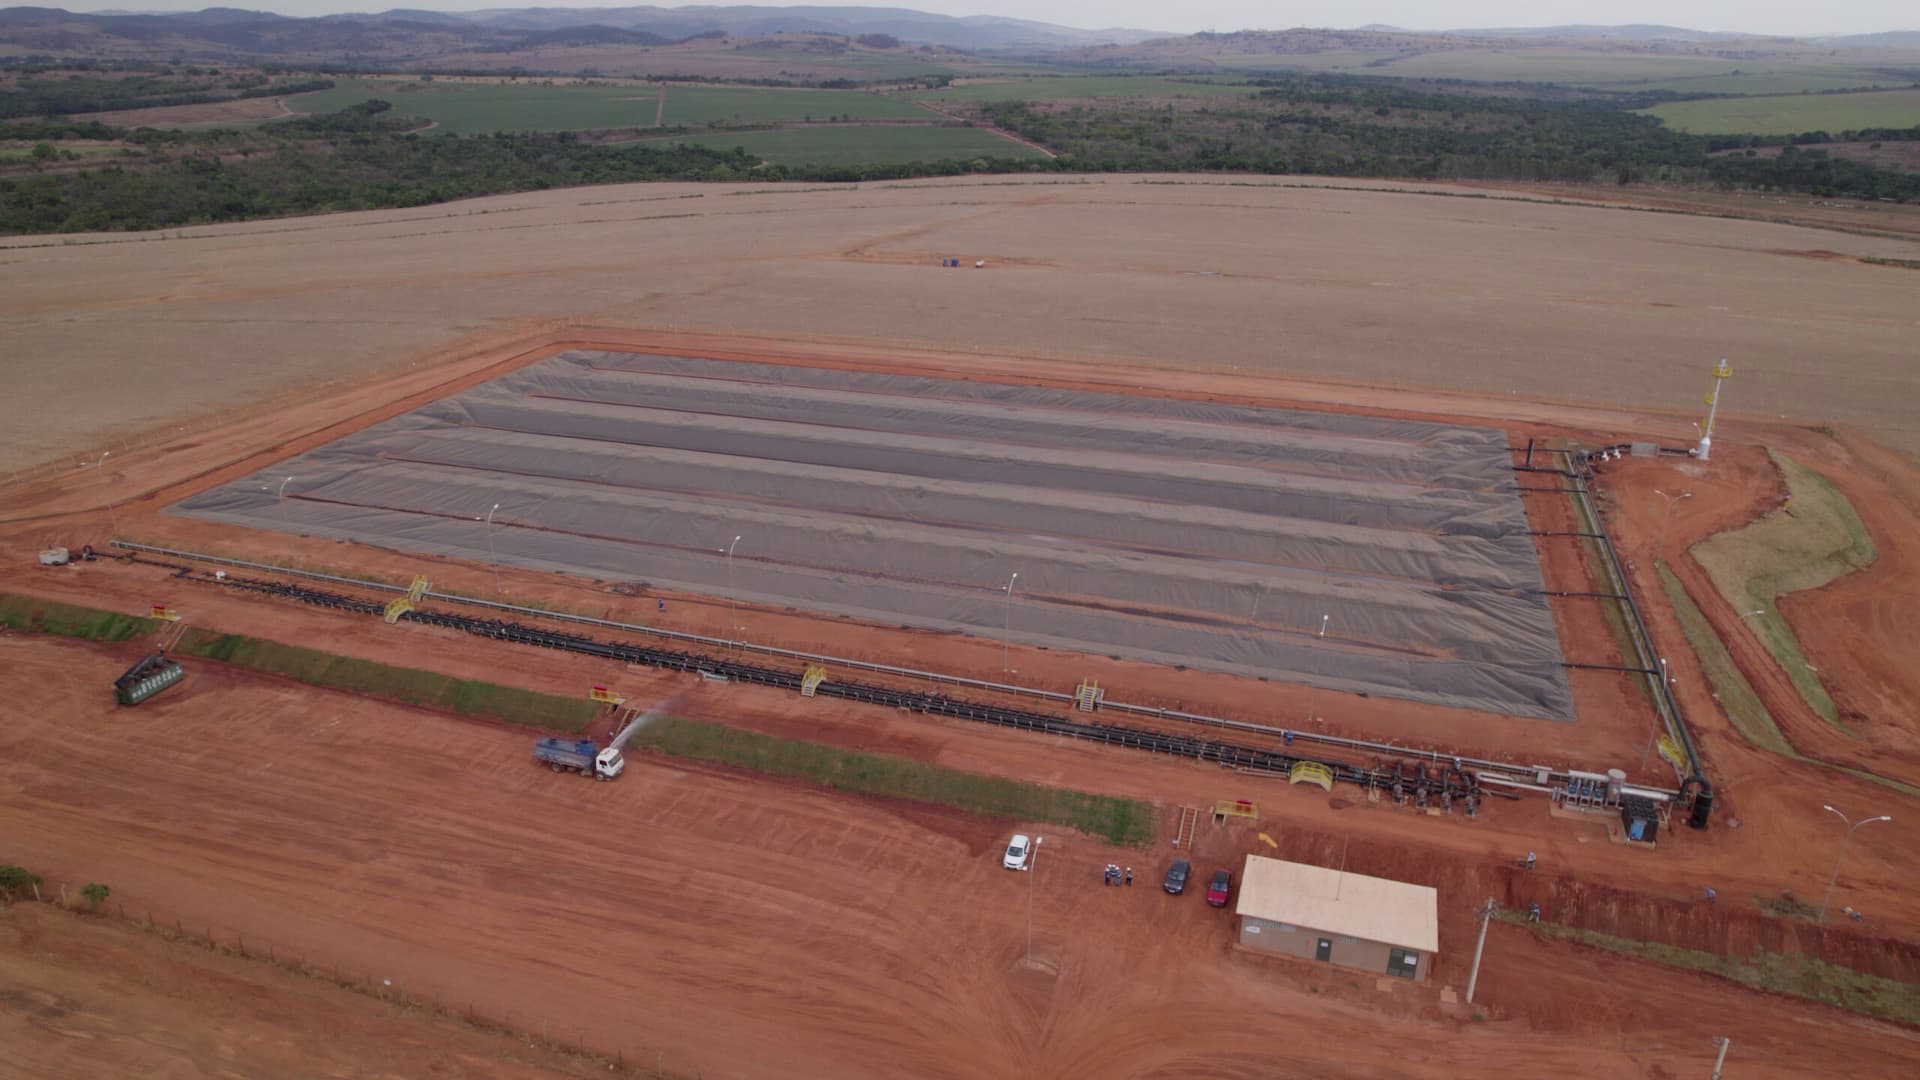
1033,867
280,497
1831,881
101,467
1722,1059
1486,916
733,609
1313,689
492,555
1006,623
1673,501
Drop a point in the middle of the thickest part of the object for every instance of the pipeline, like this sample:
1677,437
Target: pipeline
1695,786
144,553
1420,787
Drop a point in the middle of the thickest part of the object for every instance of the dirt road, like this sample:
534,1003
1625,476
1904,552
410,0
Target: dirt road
741,927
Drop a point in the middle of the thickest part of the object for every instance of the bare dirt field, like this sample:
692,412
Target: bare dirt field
739,926
98,997
733,926
206,114
1571,303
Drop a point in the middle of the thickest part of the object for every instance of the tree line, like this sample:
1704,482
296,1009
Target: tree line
1343,126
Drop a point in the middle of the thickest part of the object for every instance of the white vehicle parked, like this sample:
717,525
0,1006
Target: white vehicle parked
1019,850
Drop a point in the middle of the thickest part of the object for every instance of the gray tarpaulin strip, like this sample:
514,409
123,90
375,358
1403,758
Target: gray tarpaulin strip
1196,533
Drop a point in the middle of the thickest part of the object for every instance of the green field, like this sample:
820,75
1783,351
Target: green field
1080,86
477,108
1579,68
1745,79
877,145
1789,114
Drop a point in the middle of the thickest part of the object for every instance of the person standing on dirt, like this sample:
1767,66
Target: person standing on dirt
1533,913
1711,896
1529,860
1129,876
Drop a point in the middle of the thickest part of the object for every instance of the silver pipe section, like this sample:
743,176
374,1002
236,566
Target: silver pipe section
884,669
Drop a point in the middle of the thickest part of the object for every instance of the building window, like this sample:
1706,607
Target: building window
1285,928
1404,963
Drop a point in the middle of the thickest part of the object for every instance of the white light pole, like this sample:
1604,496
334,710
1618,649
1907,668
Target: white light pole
733,611
1667,685
1851,826
1473,980
1722,1059
101,466
1313,689
493,556
1033,865
1672,501
1006,623
281,497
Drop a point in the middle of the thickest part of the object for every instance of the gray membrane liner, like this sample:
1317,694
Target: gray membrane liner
1181,532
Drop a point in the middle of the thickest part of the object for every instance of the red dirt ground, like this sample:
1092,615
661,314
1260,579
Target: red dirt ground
735,926
85,996
857,934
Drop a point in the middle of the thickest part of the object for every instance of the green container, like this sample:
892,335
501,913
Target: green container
135,691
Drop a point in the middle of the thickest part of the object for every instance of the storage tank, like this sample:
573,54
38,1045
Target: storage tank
1616,782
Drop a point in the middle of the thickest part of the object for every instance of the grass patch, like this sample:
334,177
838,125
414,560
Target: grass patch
1744,708
479,108
1750,717
1799,976
1075,87
407,685
1117,820
1790,114
1814,539
878,145
67,620
1744,79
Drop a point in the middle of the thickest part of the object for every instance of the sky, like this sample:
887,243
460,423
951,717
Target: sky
1753,16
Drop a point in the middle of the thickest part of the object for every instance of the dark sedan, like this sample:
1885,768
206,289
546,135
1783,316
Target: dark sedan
1177,875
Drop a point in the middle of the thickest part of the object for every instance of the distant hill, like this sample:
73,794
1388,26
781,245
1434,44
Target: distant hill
1631,32
233,35
1893,39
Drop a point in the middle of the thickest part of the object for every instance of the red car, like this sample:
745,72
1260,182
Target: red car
1220,888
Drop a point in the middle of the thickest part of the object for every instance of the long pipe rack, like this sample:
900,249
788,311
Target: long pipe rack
1403,779
1666,708
1433,757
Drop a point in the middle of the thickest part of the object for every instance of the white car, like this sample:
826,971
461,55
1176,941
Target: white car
1019,850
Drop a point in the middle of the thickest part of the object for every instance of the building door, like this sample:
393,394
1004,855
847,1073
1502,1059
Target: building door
1403,962
1324,950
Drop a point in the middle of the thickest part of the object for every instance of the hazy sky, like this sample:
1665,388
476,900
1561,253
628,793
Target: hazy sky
1756,16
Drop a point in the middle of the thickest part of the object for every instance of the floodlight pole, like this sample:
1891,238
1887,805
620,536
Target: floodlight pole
1006,624
1720,1061
1672,501
281,497
1486,916
1033,867
1313,689
492,555
101,467
1831,881
733,610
